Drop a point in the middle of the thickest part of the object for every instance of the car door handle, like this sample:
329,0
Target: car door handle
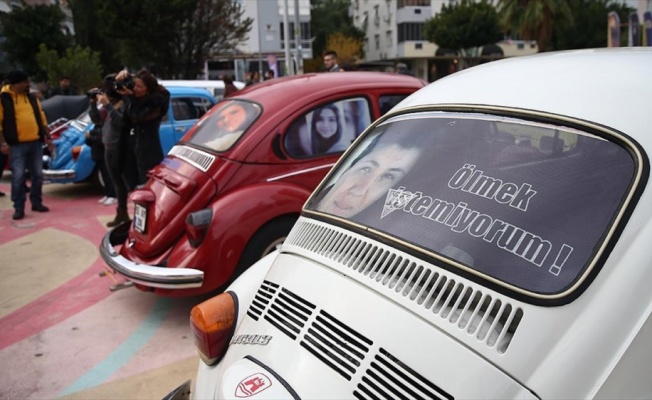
180,129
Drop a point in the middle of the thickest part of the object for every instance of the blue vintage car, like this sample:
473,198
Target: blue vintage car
71,159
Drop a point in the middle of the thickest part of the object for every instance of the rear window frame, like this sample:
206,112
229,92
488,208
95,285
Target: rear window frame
604,246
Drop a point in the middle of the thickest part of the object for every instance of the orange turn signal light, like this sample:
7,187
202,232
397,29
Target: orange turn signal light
76,151
213,324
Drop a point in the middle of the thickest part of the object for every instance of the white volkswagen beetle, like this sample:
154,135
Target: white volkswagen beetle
488,238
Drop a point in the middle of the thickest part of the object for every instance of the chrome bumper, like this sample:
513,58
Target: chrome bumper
146,275
58,173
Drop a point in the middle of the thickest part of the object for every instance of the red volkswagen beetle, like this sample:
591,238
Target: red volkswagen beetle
232,188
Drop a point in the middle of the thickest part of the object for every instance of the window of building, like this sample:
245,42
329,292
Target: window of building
409,31
413,3
377,41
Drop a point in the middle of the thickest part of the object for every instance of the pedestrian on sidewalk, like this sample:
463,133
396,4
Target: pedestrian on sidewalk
94,141
24,130
115,154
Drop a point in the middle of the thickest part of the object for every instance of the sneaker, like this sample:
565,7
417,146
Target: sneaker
40,208
18,215
102,200
110,201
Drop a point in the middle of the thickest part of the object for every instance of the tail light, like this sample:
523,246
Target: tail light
197,225
76,151
213,324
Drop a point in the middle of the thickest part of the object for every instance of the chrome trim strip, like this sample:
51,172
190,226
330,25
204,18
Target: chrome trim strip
303,171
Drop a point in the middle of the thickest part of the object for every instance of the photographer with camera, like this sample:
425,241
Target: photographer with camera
111,120
146,103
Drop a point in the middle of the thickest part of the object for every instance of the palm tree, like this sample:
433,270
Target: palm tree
533,19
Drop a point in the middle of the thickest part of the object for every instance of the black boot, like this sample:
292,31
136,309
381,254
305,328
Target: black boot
121,216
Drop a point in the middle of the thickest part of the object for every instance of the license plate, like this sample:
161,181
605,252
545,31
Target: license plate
140,218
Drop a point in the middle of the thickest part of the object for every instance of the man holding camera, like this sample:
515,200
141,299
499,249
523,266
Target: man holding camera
24,129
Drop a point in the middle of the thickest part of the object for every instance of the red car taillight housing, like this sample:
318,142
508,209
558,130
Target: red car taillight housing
197,225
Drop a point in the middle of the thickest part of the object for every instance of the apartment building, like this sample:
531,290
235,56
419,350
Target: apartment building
394,33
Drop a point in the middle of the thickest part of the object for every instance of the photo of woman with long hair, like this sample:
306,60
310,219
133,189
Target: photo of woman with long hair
326,130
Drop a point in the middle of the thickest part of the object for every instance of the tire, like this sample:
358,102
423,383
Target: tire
264,242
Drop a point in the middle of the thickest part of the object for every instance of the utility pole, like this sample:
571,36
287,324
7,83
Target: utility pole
286,40
297,38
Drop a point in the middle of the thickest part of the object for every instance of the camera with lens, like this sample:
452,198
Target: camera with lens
93,93
128,83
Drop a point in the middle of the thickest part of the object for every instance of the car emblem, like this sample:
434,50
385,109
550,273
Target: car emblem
252,385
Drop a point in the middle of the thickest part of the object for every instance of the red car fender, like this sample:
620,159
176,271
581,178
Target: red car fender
237,216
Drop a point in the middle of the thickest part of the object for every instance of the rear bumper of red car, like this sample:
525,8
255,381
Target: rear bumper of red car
146,275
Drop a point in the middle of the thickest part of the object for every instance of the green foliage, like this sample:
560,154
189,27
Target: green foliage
176,36
79,63
347,48
533,19
27,28
328,17
589,28
464,26
90,32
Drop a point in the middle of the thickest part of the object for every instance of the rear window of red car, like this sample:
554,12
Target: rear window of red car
528,205
222,128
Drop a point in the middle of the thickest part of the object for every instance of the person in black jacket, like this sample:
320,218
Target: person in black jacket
146,104
94,141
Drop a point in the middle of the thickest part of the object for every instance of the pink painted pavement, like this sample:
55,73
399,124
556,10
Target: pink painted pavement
63,333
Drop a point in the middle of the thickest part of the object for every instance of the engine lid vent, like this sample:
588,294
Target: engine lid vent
389,378
289,313
262,298
490,318
336,344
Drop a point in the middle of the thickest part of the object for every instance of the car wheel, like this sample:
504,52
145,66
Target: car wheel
264,242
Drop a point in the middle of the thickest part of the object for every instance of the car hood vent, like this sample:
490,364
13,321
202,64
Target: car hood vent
340,347
429,290
198,158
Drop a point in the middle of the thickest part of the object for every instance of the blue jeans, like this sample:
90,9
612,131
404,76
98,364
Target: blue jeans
22,156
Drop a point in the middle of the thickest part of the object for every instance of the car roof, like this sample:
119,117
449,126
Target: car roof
291,89
183,90
609,86
198,83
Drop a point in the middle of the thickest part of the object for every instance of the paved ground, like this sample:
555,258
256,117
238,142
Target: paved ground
63,333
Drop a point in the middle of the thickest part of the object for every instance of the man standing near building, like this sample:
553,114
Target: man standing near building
330,61
23,125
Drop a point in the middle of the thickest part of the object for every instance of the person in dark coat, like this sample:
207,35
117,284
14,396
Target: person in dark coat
94,141
146,104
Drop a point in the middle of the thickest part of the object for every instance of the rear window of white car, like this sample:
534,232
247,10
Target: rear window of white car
527,205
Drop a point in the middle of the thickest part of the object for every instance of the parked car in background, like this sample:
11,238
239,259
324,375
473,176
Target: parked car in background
486,239
216,87
231,189
71,160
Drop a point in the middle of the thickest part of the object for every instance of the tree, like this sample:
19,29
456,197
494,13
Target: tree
81,64
328,17
176,36
464,26
90,32
26,28
533,19
348,48
588,29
